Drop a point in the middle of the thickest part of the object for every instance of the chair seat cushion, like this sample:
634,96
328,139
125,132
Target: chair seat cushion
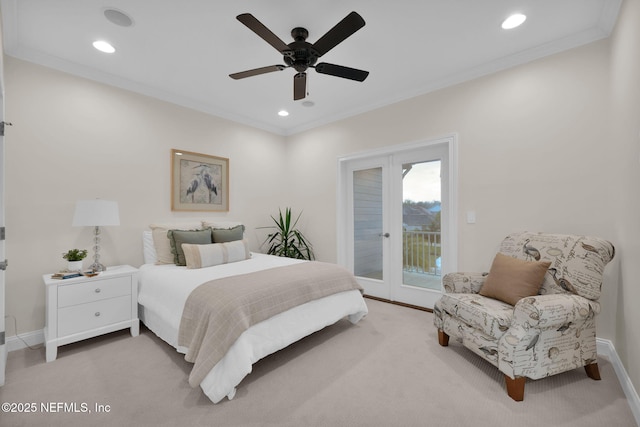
491,316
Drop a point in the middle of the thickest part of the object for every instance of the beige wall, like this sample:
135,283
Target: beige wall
623,141
551,145
76,139
530,151
548,146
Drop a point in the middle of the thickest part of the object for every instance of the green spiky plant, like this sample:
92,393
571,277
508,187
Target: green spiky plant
286,240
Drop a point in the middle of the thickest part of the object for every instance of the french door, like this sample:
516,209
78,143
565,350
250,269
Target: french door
396,215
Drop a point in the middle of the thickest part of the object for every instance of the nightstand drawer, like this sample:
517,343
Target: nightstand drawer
84,317
99,289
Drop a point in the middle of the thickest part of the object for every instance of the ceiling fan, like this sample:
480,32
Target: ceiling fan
301,55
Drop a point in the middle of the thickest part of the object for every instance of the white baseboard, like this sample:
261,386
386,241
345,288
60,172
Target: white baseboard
606,348
27,339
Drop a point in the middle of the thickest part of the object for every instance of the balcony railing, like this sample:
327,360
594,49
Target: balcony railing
421,251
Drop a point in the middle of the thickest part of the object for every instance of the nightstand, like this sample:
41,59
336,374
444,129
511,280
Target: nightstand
85,307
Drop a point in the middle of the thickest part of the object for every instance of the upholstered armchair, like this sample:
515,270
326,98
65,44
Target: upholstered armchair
533,314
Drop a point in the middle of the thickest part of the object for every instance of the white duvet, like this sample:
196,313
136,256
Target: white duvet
163,290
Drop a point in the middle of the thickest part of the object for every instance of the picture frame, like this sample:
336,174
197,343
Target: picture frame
199,182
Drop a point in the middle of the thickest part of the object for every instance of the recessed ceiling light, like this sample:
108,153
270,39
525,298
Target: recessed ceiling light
104,46
513,21
283,113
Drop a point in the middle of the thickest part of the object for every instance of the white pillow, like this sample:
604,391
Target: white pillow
200,256
148,250
161,242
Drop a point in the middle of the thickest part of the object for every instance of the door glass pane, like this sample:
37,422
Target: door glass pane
367,223
421,238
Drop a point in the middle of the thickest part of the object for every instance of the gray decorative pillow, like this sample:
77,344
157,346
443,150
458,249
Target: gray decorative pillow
222,235
178,237
162,243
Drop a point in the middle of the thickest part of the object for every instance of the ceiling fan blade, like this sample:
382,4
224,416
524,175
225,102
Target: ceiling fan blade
299,86
343,29
340,71
258,27
257,71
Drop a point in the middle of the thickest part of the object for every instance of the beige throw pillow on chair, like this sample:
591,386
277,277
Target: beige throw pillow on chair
511,279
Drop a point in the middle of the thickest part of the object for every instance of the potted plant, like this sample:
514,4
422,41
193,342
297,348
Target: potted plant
286,240
74,258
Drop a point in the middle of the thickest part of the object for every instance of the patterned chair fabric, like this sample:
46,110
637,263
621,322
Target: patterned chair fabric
541,335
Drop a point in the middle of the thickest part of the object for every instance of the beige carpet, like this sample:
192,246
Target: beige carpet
388,370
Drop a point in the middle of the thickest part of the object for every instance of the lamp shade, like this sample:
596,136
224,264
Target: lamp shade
97,212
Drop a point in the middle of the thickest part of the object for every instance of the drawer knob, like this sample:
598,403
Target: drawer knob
97,290
97,314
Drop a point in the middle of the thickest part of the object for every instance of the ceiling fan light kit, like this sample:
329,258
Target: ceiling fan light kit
302,55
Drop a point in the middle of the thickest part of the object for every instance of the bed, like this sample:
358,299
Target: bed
164,289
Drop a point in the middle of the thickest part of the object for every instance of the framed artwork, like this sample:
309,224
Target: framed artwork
199,182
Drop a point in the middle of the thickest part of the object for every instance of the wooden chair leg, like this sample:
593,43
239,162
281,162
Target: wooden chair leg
592,371
443,338
515,387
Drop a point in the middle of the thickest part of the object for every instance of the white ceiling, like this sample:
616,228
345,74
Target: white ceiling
183,51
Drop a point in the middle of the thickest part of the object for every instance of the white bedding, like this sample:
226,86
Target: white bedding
163,290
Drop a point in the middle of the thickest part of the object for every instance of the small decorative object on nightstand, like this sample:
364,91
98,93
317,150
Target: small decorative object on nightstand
74,258
84,307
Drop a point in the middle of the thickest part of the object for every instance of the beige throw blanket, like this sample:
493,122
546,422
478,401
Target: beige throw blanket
217,312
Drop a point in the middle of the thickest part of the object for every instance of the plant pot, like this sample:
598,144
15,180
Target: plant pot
74,265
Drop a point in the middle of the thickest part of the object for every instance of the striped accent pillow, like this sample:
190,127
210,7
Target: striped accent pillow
200,256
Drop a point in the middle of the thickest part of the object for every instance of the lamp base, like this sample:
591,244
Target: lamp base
96,267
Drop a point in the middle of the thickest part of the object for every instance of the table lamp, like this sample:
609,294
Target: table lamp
96,213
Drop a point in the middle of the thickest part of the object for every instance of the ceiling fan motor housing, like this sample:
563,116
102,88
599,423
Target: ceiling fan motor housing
301,54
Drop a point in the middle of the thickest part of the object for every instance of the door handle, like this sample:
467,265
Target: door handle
384,235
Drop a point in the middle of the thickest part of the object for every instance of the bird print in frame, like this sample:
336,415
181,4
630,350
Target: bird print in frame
200,182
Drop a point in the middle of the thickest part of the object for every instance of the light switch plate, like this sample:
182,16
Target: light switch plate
471,217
